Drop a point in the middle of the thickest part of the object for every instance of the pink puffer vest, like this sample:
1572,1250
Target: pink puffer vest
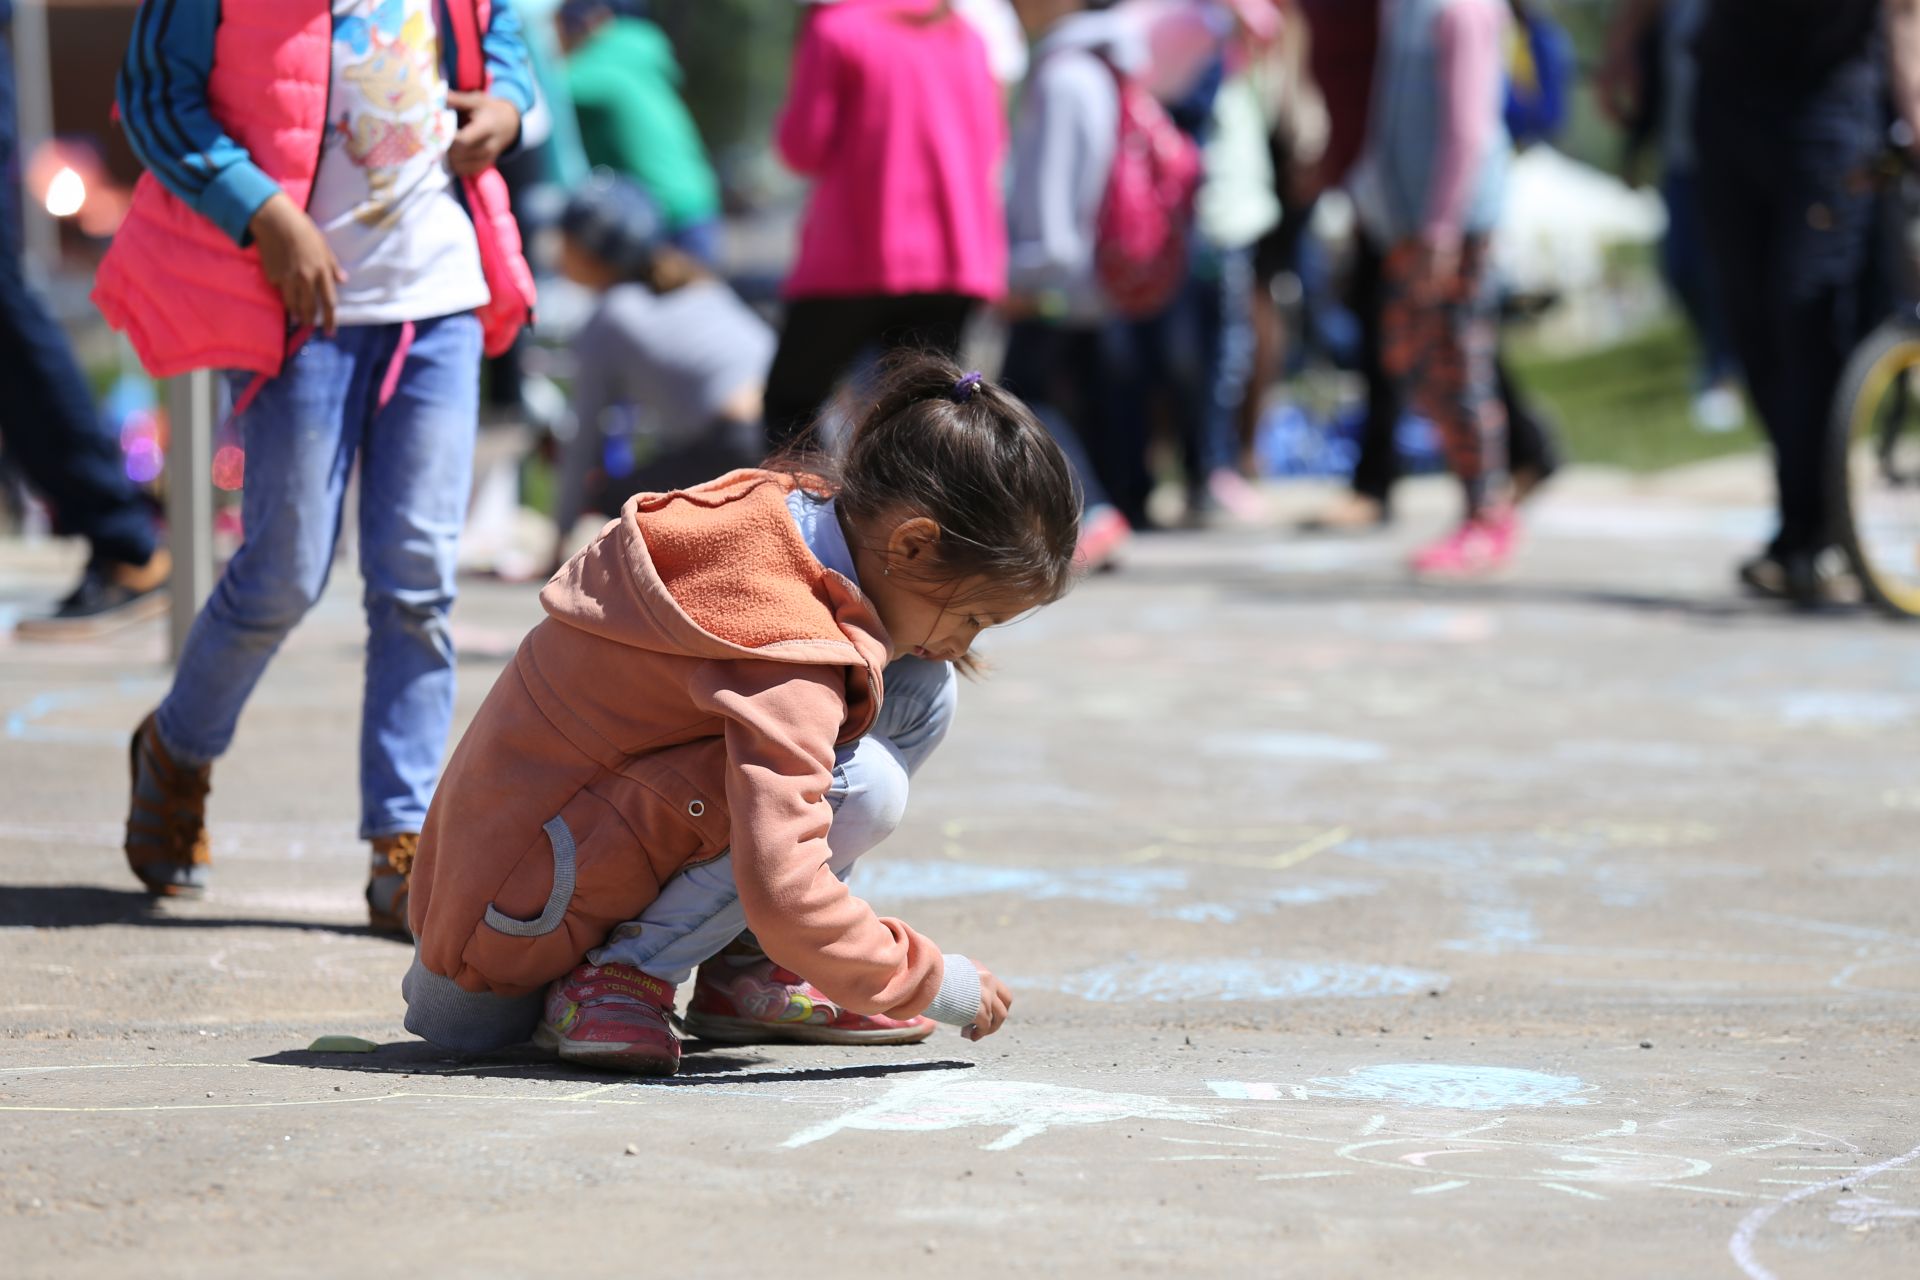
184,294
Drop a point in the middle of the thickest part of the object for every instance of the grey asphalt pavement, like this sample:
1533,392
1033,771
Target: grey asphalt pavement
1560,926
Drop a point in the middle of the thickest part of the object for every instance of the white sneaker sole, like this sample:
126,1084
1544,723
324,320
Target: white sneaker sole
607,1057
724,1030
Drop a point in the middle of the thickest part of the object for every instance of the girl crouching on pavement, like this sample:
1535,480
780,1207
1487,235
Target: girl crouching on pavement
719,715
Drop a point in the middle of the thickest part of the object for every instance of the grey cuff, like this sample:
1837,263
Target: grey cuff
958,1002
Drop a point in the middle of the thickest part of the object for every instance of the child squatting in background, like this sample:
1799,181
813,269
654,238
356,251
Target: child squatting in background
670,350
718,716
321,217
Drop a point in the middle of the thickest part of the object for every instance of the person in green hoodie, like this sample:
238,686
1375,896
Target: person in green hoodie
625,85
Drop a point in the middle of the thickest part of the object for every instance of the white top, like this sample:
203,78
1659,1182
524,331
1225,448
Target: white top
383,195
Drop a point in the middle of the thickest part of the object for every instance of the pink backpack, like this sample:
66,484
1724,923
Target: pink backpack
1140,240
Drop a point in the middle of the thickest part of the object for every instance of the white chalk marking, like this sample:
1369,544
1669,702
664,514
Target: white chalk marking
1025,1109
1218,1142
1740,1244
1711,1191
1495,1123
1573,1191
1249,1092
1625,1129
1419,1158
1372,1125
1865,1211
1296,1177
1432,1187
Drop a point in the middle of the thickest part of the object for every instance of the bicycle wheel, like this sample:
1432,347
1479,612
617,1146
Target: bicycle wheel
1876,437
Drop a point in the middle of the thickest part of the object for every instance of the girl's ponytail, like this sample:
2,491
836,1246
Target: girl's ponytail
948,444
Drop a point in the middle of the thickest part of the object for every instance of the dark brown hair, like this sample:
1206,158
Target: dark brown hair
970,456
667,269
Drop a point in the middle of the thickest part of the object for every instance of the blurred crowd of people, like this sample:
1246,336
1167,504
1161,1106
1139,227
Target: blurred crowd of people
1125,192
1129,225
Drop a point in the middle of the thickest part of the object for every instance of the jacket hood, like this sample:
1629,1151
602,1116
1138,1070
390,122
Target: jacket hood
718,571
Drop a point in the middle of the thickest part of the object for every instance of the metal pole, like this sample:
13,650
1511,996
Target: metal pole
189,498
32,63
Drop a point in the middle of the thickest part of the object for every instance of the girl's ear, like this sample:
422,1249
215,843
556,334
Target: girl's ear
913,545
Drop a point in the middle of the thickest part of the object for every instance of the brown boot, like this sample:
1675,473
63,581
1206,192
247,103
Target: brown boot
388,879
167,820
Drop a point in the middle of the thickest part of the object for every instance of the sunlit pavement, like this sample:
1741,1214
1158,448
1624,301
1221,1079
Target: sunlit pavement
1562,925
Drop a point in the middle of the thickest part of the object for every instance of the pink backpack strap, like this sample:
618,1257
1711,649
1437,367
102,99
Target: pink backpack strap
242,402
469,61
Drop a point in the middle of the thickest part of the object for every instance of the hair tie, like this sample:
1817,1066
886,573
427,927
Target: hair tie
963,390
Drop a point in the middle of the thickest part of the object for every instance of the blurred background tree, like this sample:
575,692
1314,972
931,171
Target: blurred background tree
735,54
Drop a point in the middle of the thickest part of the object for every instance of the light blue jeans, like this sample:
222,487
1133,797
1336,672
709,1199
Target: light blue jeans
698,911
303,434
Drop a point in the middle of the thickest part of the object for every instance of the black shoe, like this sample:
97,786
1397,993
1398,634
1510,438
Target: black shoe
110,596
1805,579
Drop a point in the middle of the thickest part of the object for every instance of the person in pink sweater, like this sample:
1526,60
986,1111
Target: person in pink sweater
894,113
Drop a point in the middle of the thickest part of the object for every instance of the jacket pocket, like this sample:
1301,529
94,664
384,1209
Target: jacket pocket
577,877
565,860
676,802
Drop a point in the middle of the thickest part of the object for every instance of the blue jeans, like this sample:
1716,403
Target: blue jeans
698,912
303,435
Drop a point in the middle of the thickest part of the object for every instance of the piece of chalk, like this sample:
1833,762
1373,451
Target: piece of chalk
341,1044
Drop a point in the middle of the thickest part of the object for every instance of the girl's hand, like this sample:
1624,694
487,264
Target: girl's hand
488,127
295,256
995,1000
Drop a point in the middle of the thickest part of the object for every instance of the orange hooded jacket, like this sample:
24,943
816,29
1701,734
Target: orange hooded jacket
685,695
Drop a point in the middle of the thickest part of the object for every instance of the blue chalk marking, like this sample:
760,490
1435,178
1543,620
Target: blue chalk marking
1295,746
1497,930
1464,1088
1230,980
1203,913
886,881
23,722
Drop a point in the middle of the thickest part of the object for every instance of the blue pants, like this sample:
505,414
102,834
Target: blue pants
698,911
48,423
303,435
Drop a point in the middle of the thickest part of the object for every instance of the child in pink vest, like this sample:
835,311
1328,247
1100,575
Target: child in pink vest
321,217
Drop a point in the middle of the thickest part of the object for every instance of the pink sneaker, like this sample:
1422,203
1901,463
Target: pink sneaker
753,1003
611,1016
1481,545
1103,531
1236,496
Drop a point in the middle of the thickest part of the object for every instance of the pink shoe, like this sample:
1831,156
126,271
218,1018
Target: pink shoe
611,1016
1236,496
1481,545
754,1003
1103,531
